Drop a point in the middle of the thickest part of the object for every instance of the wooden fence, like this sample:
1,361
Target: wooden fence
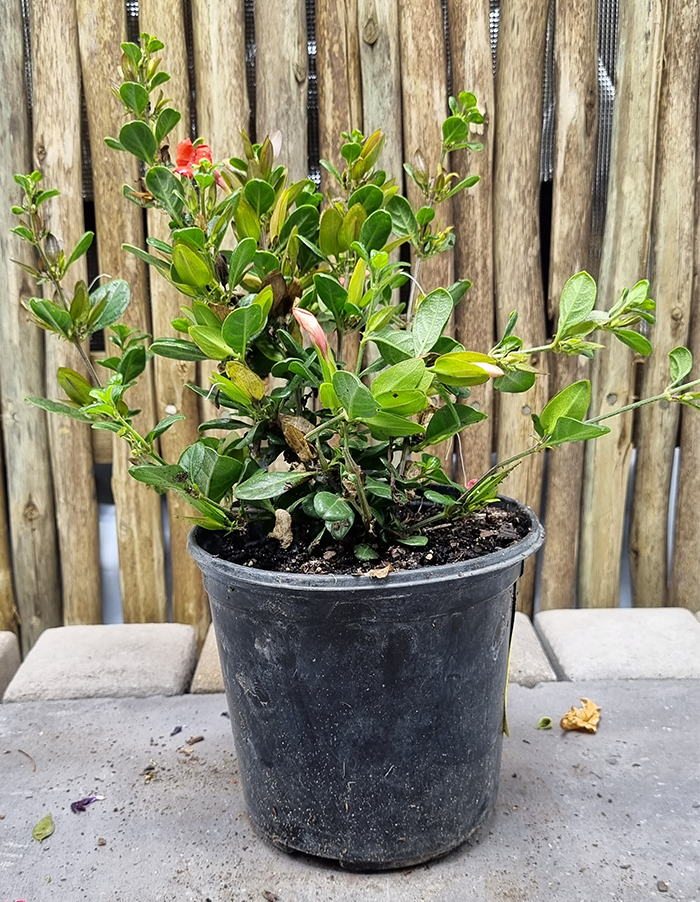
378,63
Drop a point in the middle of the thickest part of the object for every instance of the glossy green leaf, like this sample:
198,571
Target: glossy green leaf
403,219
680,362
389,425
351,227
241,325
214,474
370,196
165,187
44,828
263,485
431,318
60,408
177,349
354,396
465,368
332,293
567,429
376,230
576,303
108,303
191,267
166,477
403,376
454,131
331,221
571,402
240,260
211,342
515,382
403,402
166,122
330,507
134,96
74,385
260,195
365,553
634,340
81,248
414,541
449,421
163,426
305,219
56,318
394,345
137,138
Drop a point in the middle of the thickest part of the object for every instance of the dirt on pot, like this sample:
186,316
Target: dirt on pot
481,533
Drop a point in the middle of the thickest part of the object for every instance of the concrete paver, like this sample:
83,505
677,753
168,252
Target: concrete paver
9,658
621,643
528,662
612,816
208,676
135,659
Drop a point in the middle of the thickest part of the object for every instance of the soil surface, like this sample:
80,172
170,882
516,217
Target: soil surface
480,533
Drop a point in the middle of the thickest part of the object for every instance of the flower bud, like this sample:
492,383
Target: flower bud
308,322
490,369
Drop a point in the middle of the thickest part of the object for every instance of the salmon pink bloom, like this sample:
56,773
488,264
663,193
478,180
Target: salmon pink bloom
187,156
312,327
490,369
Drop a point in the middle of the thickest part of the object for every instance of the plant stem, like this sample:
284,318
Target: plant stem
350,463
327,425
412,295
668,395
88,364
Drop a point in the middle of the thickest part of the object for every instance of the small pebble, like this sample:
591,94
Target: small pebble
662,886
101,841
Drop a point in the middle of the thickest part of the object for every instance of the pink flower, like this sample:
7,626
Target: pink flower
187,156
471,484
312,327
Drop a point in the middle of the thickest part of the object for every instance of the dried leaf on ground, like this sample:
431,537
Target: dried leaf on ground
584,719
380,572
44,828
283,528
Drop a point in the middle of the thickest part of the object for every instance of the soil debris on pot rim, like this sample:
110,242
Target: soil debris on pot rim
480,533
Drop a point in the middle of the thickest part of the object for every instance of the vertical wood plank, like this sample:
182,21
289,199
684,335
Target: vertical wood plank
25,435
223,109
57,153
623,263
101,28
282,85
671,277
472,70
424,84
9,617
380,62
518,271
576,68
189,601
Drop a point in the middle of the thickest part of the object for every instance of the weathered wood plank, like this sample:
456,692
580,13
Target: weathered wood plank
9,617
516,227
671,277
282,85
576,68
623,263
25,435
472,70
424,86
189,601
57,153
101,27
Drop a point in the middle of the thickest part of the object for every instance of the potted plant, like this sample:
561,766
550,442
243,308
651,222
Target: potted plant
362,600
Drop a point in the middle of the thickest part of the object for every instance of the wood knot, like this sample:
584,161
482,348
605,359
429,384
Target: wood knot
40,153
30,512
300,72
370,30
677,314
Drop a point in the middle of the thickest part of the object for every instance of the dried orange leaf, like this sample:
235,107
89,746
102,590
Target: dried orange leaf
585,719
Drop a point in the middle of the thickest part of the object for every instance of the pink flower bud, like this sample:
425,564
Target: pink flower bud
490,369
471,484
312,327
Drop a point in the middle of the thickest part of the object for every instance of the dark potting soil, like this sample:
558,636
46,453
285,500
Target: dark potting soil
480,533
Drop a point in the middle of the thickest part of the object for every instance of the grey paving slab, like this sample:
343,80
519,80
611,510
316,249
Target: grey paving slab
9,658
619,643
580,818
135,659
529,664
208,676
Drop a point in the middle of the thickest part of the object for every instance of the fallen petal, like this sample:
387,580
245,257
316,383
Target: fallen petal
82,804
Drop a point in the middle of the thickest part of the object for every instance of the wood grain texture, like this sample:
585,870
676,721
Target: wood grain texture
101,28
9,616
282,84
472,70
189,600
424,78
671,277
57,153
25,434
623,263
576,117
516,230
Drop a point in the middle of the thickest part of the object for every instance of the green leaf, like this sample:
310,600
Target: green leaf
567,429
74,385
458,289
454,131
170,476
260,195
191,267
331,221
214,474
634,340
205,316
517,381
166,189
240,260
241,325
378,489
405,403
60,408
177,349
403,219
355,397
331,507
81,248
380,319
571,402
264,485
351,227
394,345
247,223
137,138
438,498
108,303
414,541
403,376
369,196
332,293
133,363
431,318
464,368
576,303
165,123
680,362
389,425
306,219
134,96
163,426
55,317
448,421
544,723
365,553
44,828
210,341
376,230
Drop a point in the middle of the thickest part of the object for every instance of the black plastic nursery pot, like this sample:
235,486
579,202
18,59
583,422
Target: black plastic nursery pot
367,713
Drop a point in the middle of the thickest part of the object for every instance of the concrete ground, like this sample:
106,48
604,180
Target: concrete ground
611,817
